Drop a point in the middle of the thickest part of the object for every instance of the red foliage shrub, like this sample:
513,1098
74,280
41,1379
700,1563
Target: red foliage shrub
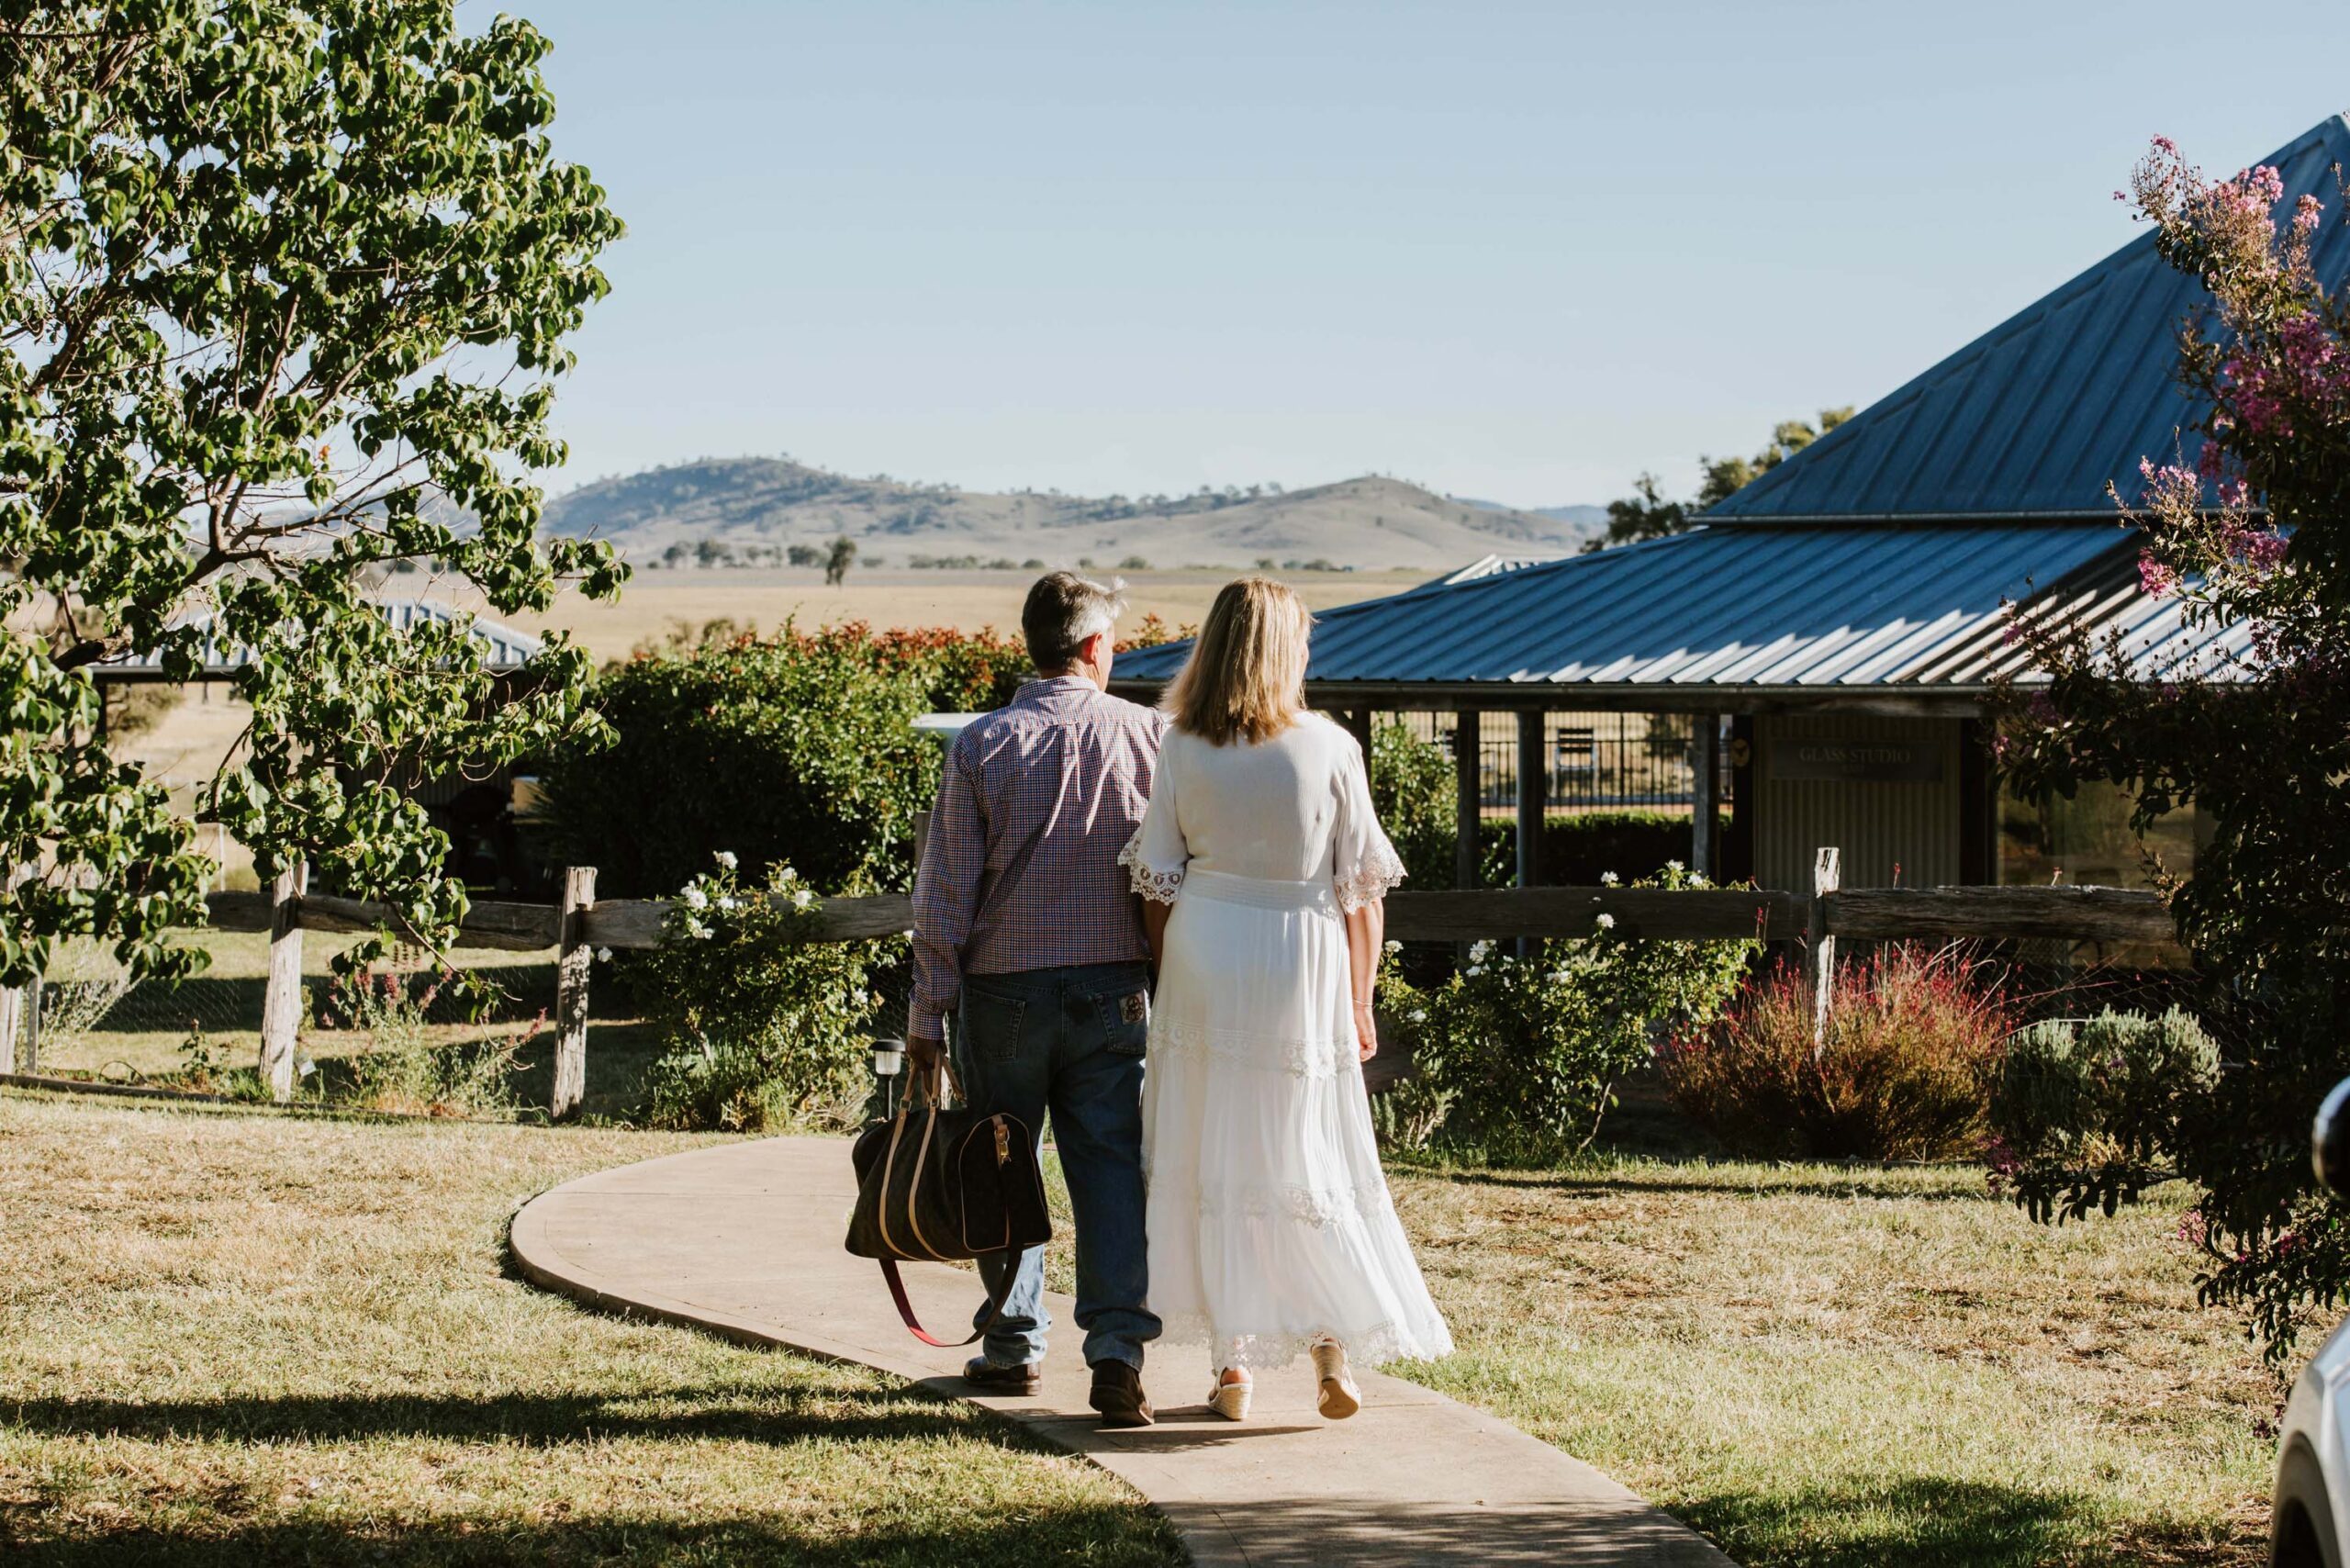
1903,1074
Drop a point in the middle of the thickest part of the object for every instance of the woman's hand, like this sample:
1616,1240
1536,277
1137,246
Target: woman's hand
1366,1031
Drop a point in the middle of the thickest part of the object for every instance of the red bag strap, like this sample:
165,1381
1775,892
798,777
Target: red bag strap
906,1307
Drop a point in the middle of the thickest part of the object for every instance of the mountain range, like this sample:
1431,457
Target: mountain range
1368,522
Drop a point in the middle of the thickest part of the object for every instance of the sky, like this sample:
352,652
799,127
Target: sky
1515,252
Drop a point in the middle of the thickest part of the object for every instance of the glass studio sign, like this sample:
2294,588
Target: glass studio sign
1794,760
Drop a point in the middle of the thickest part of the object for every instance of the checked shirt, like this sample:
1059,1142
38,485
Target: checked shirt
1021,870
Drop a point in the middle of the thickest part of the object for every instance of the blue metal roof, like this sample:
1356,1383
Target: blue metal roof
1760,606
2036,416
503,647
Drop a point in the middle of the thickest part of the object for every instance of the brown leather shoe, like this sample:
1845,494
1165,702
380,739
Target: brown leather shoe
983,1373
1117,1393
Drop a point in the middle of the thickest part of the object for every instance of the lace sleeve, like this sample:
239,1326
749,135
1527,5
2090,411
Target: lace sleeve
1373,877
1154,857
1364,865
1160,886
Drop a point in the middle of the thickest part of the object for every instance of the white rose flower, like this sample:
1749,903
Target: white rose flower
603,955
1672,866
786,874
1477,951
726,858
1697,880
801,898
727,902
1420,1016
1606,921
1609,879
695,898
1394,945
1475,970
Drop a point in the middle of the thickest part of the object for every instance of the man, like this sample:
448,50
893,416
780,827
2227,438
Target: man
1026,930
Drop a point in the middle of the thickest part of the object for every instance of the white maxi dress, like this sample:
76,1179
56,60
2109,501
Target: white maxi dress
1269,1218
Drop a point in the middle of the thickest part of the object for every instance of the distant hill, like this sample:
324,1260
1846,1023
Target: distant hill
1590,519
1369,522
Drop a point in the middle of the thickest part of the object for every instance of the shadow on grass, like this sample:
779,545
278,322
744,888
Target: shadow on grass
1930,1522
538,1419
1103,1535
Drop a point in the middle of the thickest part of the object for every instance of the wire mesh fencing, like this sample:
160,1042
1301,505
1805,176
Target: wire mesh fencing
1592,761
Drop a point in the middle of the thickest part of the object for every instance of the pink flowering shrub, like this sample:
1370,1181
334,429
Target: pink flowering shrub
2245,534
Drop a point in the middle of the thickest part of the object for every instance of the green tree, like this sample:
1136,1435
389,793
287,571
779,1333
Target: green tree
284,291
1644,515
838,562
1648,515
1725,476
2253,538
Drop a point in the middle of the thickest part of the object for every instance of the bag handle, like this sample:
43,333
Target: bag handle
935,1085
906,1308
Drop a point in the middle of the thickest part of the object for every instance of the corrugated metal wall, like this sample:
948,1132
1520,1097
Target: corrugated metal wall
1879,824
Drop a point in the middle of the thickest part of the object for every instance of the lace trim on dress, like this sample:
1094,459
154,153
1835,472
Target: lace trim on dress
1298,1058
1160,886
1320,1207
1379,873
1366,1347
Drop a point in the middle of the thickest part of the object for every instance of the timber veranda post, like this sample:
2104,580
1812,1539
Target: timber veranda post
1826,874
281,1007
1533,798
1705,796
572,958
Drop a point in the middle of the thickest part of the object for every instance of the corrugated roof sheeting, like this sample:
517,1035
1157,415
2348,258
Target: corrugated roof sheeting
2034,418
1863,605
505,648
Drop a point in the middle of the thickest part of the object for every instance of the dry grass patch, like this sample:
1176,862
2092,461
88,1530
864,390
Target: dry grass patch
238,1338
1822,1365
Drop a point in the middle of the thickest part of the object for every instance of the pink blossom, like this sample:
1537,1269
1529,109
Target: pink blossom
2153,576
2307,213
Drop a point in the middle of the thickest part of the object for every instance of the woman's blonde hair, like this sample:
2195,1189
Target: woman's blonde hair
1246,676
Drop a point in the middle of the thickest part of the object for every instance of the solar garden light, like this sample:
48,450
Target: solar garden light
888,1061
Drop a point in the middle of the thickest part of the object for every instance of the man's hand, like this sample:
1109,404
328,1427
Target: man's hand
926,1055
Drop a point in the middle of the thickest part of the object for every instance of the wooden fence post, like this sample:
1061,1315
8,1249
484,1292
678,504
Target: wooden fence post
572,961
1827,869
281,1007
12,1007
31,1053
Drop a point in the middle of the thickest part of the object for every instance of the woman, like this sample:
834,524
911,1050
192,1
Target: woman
1262,867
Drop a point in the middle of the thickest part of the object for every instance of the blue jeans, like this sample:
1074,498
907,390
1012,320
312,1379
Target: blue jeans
1070,1040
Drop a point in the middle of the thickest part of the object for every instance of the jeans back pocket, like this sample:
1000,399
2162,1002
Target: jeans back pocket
991,1024
1125,1019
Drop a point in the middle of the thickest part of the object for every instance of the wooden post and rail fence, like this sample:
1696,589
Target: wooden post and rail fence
579,925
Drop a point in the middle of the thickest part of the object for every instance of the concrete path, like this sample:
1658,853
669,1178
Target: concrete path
744,1240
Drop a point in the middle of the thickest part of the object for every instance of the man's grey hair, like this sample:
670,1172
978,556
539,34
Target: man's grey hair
1062,611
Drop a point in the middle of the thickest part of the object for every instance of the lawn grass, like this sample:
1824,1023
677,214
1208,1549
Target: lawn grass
247,1338
1835,1367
